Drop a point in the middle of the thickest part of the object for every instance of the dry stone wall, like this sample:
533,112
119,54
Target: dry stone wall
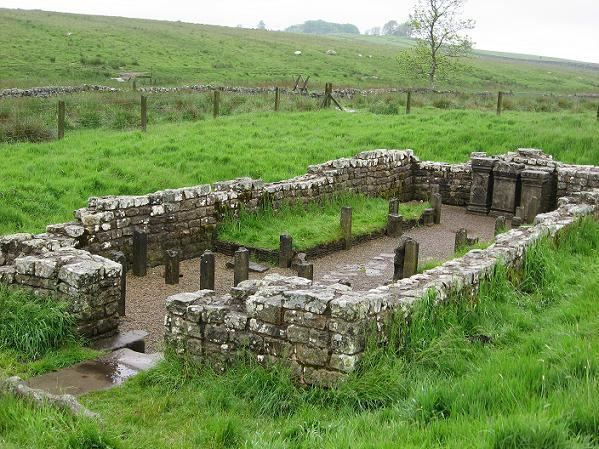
321,330
186,218
51,264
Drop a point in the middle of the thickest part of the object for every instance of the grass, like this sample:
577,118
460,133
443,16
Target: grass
430,264
312,224
40,51
34,119
514,367
36,334
43,183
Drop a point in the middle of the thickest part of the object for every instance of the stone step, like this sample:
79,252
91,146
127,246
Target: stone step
134,340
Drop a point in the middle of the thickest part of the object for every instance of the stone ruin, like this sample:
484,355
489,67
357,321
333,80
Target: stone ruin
319,329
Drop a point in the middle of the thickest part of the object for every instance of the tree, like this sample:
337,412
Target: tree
390,27
440,36
261,25
376,31
393,28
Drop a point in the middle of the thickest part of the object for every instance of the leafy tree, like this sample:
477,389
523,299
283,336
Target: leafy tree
441,41
261,25
393,28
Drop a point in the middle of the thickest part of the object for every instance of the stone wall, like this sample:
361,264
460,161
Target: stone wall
186,218
454,181
320,330
51,264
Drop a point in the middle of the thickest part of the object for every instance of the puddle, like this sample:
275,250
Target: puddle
106,372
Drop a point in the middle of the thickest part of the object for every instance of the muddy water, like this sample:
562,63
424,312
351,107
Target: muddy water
105,372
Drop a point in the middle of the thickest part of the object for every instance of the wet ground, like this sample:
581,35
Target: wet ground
366,266
106,372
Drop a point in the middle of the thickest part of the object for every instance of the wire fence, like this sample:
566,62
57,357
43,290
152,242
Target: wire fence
38,118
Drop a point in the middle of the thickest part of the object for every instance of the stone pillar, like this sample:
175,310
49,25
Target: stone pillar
140,253
436,203
305,270
428,217
285,250
171,267
394,225
505,189
500,225
461,239
536,194
516,221
241,269
394,206
482,184
346,219
405,263
207,267
119,257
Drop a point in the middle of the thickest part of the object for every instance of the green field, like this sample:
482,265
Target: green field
39,52
44,183
531,383
312,224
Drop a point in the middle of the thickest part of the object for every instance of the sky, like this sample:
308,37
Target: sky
558,28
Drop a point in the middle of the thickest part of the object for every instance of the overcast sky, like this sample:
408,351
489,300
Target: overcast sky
559,28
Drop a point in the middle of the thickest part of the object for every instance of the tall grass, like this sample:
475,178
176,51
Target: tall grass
267,145
33,326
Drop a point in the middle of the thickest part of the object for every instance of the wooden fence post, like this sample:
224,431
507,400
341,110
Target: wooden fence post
409,102
277,98
144,113
61,114
499,102
598,112
216,104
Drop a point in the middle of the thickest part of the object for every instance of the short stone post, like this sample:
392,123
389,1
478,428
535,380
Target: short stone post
461,239
216,104
144,113
171,267
500,225
516,221
394,225
241,269
207,267
436,202
285,250
346,219
305,270
428,217
140,253
394,206
61,116
119,257
405,263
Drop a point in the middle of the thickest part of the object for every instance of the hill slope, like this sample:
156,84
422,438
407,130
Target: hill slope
55,48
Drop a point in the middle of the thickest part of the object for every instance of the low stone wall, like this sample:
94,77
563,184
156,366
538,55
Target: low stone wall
51,264
320,331
50,91
186,218
454,181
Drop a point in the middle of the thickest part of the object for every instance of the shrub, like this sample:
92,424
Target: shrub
32,325
28,130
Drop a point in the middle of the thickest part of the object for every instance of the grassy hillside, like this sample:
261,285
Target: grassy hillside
40,51
44,183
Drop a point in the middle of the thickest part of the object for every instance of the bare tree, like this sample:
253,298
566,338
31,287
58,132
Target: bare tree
440,36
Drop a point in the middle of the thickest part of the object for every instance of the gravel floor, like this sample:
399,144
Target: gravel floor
365,266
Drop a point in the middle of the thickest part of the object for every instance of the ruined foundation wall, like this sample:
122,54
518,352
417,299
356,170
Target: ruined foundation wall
321,330
186,218
454,181
51,264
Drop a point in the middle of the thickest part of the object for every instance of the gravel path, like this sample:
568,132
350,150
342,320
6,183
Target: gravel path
365,266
